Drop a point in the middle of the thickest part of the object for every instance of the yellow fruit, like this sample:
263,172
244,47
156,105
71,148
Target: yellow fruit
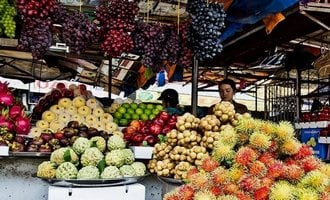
111,127
56,125
92,103
48,116
65,102
35,132
42,124
99,126
84,110
79,101
91,120
98,112
56,109
77,118
64,118
115,105
106,118
72,110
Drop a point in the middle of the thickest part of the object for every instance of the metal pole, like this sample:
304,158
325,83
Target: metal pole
110,77
265,102
225,73
298,88
256,103
194,87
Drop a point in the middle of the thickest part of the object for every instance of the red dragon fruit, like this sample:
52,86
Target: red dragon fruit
5,122
15,111
22,125
3,86
6,98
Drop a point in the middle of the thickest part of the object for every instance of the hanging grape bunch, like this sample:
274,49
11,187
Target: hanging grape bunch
36,31
7,22
78,32
116,20
205,30
186,52
171,47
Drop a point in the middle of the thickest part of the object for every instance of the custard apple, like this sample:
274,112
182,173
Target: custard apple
80,145
88,172
115,158
64,154
111,172
92,156
128,156
127,170
66,170
46,169
140,168
116,142
98,142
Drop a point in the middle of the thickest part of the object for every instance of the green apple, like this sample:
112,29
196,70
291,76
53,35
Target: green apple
147,112
139,111
150,106
115,120
123,122
144,117
122,110
130,111
134,106
142,105
127,116
135,116
125,105
152,116
155,111
118,115
159,107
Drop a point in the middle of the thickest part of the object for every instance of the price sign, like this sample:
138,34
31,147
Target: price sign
4,151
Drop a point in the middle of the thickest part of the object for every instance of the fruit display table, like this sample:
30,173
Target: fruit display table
17,181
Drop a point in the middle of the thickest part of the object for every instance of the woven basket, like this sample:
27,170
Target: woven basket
322,64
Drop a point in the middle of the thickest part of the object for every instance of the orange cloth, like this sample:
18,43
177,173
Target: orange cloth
226,3
141,78
272,20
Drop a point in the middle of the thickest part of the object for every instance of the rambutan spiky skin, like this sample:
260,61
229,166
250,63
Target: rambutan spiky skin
303,152
227,197
267,158
292,173
246,125
260,141
200,180
209,164
235,173
245,156
228,137
216,190
304,193
249,183
231,188
171,196
220,176
222,152
186,192
190,173
267,127
282,190
261,193
275,170
316,180
284,131
310,163
243,196
257,169
266,181
273,146
325,196
290,147
204,195
325,169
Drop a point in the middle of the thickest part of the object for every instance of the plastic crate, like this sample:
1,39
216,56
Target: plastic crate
310,137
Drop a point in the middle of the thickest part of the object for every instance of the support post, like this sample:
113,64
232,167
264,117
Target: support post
298,97
194,85
109,77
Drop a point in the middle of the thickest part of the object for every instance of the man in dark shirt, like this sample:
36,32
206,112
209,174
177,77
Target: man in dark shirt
227,89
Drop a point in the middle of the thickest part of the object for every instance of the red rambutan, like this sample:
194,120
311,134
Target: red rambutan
249,183
310,163
220,176
230,188
290,161
191,172
273,146
258,169
303,152
245,156
216,190
275,169
243,196
266,181
209,164
292,173
267,158
171,196
261,193
186,192
200,180
325,196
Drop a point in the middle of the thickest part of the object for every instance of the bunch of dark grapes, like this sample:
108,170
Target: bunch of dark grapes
171,47
35,36
37,8
7,22
77,30
186,53
116,42
118,17
205,30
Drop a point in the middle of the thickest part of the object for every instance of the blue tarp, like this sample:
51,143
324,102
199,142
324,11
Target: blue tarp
243,12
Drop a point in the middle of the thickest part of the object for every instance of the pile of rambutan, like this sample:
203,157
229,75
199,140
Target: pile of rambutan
257,160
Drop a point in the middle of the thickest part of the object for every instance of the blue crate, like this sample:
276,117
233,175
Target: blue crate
308,136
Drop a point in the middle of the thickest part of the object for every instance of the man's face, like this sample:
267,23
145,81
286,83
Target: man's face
226,92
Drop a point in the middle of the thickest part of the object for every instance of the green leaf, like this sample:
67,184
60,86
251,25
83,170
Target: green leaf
67,156
144,143
148,73
162,138
101,165
94,144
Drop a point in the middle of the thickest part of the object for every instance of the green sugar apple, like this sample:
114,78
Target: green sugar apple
115,158
64,154
88,172
92,156
80,145
66,170
127,170
98,142
46,169
140,168
111,172
116,142
128,156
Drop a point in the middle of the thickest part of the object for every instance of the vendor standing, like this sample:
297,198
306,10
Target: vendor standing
170,101
227,89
